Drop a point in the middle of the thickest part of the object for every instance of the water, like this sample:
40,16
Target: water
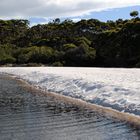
26,115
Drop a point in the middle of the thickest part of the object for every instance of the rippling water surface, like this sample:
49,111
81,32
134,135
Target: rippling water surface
25,115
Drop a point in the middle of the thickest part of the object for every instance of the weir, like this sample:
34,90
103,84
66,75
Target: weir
29,113
108,112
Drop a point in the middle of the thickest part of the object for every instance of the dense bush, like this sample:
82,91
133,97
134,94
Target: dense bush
84,43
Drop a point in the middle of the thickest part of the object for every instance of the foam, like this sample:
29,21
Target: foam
117,89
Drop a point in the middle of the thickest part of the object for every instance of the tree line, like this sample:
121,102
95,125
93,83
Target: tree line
86,43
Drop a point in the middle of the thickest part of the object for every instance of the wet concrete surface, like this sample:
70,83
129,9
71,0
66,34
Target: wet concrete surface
25,115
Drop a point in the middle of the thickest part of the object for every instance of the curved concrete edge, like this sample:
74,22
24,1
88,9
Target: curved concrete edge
108,112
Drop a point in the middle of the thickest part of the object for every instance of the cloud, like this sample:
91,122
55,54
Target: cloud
58,8
76,19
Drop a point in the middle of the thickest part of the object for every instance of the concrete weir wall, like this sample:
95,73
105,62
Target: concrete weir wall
132,119
108,112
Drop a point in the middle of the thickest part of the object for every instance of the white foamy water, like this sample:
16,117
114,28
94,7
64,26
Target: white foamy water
110,87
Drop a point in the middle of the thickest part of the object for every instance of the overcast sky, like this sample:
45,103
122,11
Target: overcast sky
46,9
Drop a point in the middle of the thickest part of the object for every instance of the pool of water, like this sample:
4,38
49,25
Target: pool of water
26,115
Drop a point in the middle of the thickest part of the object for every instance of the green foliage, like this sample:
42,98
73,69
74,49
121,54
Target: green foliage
134,13
36,55
57,64
83,41
67,43
6,54
6,59
67,47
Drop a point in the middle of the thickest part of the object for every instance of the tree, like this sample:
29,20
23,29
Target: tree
56,21
134,13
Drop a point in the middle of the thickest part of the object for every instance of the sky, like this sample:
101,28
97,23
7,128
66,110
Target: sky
43,11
